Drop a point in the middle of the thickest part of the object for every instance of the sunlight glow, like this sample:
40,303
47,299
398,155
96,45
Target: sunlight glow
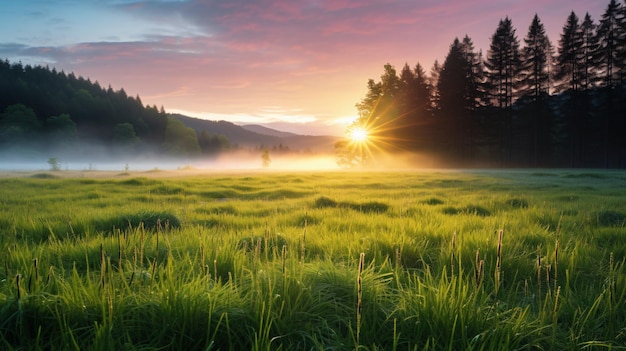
358,135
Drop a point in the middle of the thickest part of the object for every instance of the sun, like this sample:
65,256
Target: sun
358,135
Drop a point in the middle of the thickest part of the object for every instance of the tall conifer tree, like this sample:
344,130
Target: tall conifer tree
589,46
458,96
536,59
433,80
502,73
535,86
503,62
475,73
610,44
570,54
414,101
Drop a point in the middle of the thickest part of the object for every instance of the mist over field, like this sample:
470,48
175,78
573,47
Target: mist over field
92,157
79,156
226,175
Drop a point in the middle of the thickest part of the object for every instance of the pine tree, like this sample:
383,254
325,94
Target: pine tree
535,87
453,85
502,73
390,121
475,74
503,61
589,46
422,91
433,80
610,36
610,39
406,84
535,69
621,44
406,106
458,97
568,63
414,106
579,123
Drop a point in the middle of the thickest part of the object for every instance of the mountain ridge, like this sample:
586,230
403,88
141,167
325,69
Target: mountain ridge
261,129
258,136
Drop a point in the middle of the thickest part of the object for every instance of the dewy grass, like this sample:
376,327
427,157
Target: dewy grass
359,304
74,277
150,220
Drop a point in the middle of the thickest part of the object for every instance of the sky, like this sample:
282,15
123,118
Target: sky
297,66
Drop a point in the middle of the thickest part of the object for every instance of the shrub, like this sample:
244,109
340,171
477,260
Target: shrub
139,181
477,210
610,218
219,210
324,202
433,201
367,207
307,219
251,243
150,220
450,211
44,176
518,203
471,210
370,207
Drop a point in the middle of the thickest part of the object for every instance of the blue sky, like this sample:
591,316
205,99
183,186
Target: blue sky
299,66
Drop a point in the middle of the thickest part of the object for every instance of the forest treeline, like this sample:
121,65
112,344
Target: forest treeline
43,109
521,104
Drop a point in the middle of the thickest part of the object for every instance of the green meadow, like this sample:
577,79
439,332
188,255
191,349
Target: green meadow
439,260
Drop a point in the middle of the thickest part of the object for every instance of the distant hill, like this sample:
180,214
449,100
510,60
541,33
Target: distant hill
44,111
268,131
236,134
313,143
252,136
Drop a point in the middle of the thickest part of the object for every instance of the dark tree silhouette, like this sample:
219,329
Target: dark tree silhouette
502,72
610,34
415,108
433,80
570,55
536,60
458,97
611,37
528,106
589,46
537,56
503,64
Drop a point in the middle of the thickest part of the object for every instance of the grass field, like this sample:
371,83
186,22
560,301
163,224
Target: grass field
473,260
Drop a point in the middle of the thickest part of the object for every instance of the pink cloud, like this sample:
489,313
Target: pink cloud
314,56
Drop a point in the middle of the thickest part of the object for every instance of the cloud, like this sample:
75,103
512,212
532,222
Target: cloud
290,120
311,58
